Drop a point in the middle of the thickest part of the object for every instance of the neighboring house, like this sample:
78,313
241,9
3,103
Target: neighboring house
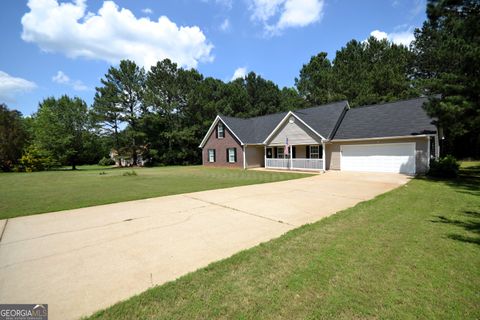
389,137
125,160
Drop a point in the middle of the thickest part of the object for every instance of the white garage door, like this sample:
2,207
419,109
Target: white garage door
384,157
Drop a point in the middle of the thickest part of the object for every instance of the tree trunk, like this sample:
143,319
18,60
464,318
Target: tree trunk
134,157
117,144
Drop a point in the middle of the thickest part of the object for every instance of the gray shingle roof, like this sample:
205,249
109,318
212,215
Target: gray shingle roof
322,119
254,130
401,118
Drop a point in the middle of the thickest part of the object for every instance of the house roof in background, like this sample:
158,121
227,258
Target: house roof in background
400,118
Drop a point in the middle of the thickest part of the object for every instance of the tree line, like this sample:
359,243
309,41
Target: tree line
162,114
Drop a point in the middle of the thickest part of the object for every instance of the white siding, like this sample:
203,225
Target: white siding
296,132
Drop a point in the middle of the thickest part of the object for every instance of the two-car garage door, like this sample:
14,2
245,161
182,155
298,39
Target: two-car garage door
382,157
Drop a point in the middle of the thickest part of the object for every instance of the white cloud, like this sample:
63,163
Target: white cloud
112,34
62,78
239,73
225,26
277,15
10,86
263,10
147,11
399,37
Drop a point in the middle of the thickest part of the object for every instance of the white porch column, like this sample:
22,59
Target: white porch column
323,155
291,156
244,158
265,156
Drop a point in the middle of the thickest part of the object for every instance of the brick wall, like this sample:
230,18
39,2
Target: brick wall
221,146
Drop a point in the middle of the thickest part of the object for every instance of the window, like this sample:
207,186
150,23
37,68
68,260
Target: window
269,153
280,152
211,155
314,152
220,131
232,155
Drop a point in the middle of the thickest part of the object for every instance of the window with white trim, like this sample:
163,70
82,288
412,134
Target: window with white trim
280,152
220,131
314,152
232,155
211,155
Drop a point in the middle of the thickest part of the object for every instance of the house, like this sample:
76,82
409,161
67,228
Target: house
125,159
389,137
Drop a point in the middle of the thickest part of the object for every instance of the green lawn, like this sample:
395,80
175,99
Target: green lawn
413,253
31,193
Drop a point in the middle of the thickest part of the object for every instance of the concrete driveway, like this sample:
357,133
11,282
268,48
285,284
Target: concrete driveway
79,261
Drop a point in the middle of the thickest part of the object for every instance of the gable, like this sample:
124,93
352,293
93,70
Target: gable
296,132
213,130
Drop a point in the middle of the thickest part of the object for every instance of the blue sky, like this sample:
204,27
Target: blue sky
52,47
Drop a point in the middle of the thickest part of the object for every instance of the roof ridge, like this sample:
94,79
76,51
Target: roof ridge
388,102
322,105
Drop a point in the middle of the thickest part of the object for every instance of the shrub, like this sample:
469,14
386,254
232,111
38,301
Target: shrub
446,167
129,173
106,162
36,159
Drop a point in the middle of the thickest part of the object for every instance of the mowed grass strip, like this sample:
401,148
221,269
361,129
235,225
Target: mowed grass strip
413,253
31,193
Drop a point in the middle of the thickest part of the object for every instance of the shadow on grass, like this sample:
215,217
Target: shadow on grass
472,225
468,181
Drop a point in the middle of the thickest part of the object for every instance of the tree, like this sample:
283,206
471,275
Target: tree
167,95
373,71
290,99
316,82
366,72
13,137
121,95
59,128
107,112
252,96
447,50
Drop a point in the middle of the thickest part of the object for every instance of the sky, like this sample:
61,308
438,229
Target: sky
53,47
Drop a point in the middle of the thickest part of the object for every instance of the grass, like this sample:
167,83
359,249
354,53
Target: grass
31,193
412,253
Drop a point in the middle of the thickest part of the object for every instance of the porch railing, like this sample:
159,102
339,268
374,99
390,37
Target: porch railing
277,163
294,164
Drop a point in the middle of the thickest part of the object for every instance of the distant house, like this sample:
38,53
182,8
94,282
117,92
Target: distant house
389,137
125,159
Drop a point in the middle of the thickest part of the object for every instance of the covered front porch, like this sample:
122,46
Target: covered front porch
295,157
